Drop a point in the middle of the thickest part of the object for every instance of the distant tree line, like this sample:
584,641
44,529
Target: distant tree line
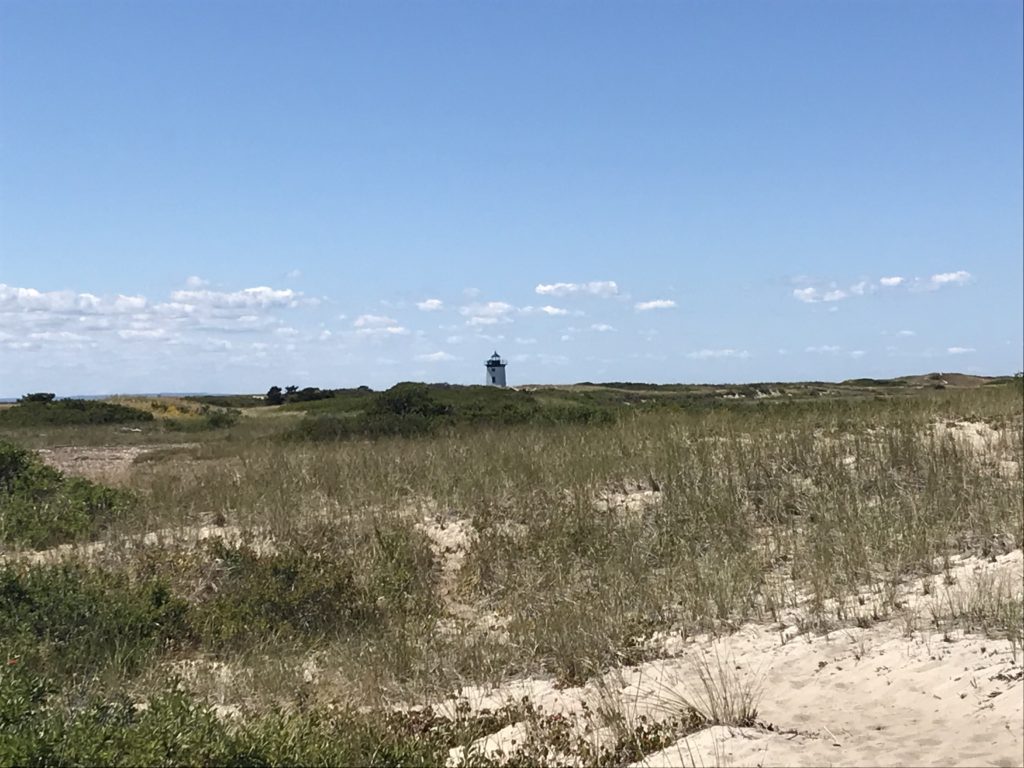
292,394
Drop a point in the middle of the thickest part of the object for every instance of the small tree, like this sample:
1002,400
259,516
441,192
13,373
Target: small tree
37,397
274,396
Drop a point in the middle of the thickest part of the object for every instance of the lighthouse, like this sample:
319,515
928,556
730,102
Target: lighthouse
495,371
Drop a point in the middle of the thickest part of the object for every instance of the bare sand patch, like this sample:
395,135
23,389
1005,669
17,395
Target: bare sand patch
110,464
885,694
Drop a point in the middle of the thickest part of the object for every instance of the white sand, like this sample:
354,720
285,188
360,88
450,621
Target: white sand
883,695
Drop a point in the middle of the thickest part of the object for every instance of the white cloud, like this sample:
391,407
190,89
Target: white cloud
601,327
488,313
546,310
65,336
906,333
824,348
129,304
383,331
891,282
950,278
286,331
453,340
812,295
430,305
248,298
645,306
15,299
195,281
601,288
293,274
436,357
859,289
153,333
959,350
520,340
707,354
325,335
858,353
368,321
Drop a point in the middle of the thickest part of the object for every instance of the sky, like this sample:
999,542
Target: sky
222,196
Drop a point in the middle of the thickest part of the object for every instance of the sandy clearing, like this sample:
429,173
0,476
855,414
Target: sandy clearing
105,464
880,695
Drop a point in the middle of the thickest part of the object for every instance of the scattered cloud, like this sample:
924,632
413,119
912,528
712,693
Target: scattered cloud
601,327
858,353
823,349
293,274
545,310
384,331
488,313
196,282
812,295
906,333
371,321
710,354
959,350
859,289
520,340
248,298
645,306
436,357
950,278
430,305
601,288
14,299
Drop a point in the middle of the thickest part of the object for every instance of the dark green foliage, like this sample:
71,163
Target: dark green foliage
274,396
287,594
410,409
40,507
35,413
408,399
37,397
42,729
209,418
69,618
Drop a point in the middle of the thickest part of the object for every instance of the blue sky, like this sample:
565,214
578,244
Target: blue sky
221,196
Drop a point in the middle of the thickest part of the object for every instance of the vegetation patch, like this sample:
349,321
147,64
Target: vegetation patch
37,412
70,619
40,507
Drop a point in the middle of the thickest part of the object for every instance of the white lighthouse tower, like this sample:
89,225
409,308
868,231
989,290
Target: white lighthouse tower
495,371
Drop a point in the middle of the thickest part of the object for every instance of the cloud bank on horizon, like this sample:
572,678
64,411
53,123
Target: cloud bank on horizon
77,341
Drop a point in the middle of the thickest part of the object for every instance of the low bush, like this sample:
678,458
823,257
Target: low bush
175,728
35,413
207,419
285,594
68,618
40,507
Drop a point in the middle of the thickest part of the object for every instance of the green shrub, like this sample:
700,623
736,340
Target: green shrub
174,728
40,507
209,418
35,413
285,594
69,618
